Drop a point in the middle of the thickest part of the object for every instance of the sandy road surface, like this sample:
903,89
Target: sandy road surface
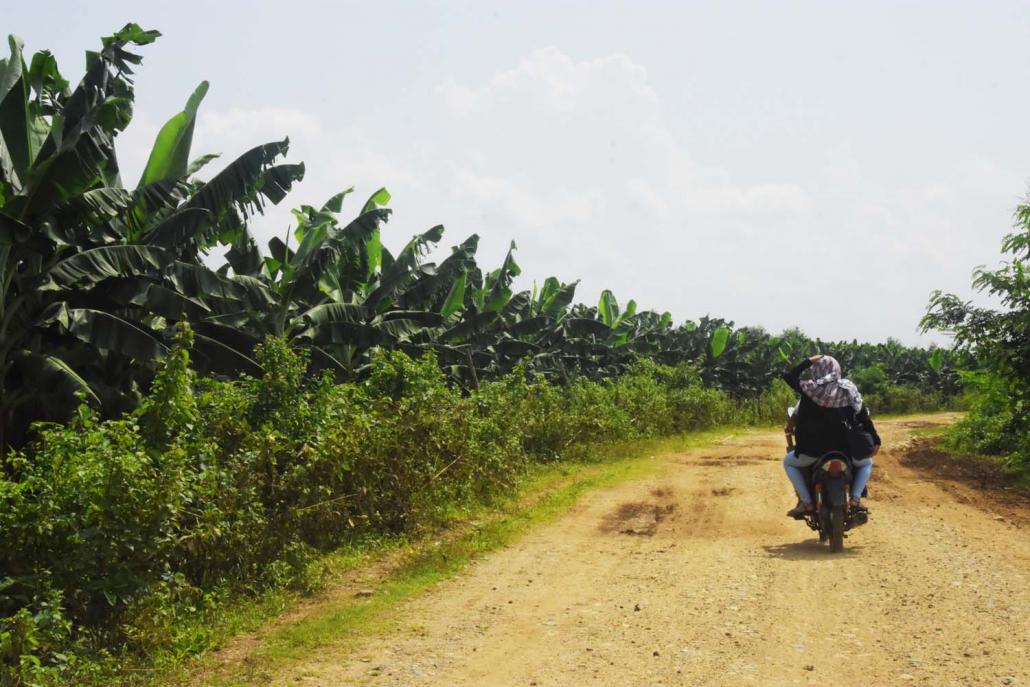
716,587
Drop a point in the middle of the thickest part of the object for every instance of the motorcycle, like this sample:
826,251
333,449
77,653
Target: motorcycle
829,480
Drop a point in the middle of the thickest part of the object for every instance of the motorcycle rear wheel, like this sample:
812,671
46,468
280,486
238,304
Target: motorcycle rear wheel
824,523
837,529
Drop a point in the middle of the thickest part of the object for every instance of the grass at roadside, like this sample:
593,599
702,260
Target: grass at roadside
414,566
928,432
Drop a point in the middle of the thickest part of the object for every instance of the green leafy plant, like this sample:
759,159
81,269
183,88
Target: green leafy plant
93,275
998,340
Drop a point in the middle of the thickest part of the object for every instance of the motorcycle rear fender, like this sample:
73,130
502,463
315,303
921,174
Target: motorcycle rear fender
834,492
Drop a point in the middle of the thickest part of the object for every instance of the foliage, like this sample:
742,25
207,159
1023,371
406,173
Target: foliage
988,426
115,528
93,276
344,391
998,339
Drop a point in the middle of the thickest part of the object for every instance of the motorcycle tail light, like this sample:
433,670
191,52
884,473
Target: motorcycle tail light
835,467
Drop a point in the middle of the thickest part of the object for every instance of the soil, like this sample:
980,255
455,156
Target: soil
696,577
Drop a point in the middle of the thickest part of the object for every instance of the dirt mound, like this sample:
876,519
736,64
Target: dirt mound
972,480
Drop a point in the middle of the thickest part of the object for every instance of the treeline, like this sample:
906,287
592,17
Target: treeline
174,434
95,275
996,341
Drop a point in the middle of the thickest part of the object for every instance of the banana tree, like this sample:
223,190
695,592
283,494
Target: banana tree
92,274
340,291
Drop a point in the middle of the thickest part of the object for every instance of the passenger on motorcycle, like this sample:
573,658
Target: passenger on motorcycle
829,405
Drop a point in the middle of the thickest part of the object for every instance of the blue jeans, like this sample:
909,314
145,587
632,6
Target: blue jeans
793,463
863,471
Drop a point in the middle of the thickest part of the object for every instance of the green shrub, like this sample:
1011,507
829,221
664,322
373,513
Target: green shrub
644,400
700,408
534,415
902,399
92,512
34,642
170,411
771,407
870,380
118,532
992,426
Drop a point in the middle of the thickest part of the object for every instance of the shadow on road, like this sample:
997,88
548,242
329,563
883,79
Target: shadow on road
808,550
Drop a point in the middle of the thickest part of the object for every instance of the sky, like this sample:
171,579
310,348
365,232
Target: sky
825,165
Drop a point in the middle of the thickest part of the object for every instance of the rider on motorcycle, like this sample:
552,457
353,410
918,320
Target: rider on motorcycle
828,405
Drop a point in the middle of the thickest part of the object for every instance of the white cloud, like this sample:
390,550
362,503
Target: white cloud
460,99
239,128
550,78
523,207
496,193
599,122
335,156
584,164
757,199
650,201
573,159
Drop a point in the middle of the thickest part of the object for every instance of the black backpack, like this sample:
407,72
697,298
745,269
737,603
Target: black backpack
860,442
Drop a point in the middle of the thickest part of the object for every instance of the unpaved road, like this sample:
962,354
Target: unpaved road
695,577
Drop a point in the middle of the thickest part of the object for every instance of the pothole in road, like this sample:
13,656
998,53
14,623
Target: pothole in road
640,518
723,461
920,424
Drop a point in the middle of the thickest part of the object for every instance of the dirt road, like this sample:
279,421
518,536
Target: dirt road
695,577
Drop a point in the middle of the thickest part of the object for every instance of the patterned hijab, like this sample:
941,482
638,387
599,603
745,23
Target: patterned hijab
827,389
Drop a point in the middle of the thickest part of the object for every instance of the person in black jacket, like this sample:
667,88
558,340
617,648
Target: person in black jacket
829,405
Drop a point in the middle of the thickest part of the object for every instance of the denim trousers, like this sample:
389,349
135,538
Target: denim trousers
793,462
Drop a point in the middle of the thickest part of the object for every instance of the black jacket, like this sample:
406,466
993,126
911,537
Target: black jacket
821,430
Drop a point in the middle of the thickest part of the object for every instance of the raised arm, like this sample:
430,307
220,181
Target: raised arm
793,378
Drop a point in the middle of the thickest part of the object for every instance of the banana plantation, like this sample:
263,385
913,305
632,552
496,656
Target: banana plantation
97,270
180,430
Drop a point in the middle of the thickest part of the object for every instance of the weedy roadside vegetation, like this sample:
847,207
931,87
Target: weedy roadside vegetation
346,393
997,343
120,533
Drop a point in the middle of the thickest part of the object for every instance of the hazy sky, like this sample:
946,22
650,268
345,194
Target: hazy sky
820,164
